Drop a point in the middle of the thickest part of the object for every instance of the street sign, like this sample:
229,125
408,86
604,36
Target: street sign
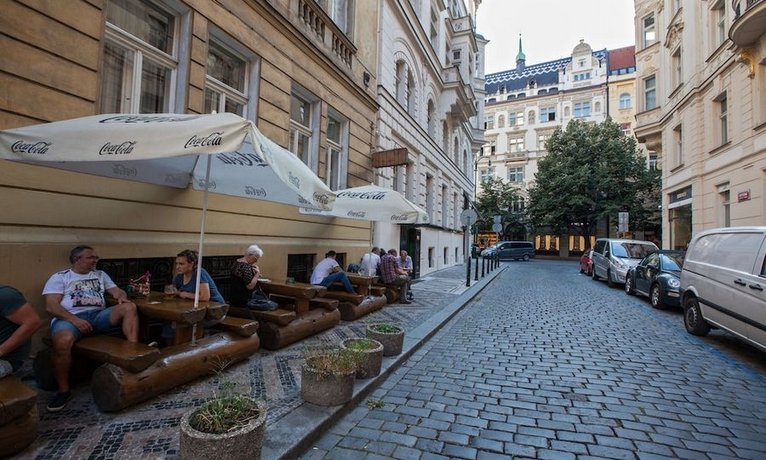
622,222
497,219
497,227
468,217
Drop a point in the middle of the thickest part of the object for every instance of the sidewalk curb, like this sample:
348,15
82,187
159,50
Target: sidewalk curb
294,433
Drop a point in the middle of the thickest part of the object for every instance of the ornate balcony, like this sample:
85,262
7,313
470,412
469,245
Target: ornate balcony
749,21
457,95
322,29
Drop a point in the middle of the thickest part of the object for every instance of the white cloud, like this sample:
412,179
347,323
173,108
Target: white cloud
550,29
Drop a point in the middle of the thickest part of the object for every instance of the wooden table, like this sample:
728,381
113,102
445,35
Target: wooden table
301,292
363,282
181,312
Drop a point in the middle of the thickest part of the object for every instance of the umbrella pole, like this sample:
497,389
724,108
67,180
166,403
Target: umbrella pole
199,247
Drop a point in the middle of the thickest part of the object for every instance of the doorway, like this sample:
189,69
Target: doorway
409,240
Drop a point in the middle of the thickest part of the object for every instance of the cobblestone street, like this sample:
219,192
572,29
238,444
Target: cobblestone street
547,363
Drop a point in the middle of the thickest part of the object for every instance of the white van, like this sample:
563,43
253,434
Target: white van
723,281
612,258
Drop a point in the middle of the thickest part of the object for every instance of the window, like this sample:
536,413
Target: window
490,123
517,204
581,109
492,147
675,62
725,200
341,13
516,145
487,174
516,174
625,101
547,114
431,119
723,117
430,192
445,206
625,129
531,117
719,21
650,93
226,80
337,151
501,121
648,28
302,128
678,140
652,161
139,61
516,119
456,55
582,76
405,86
434,35
541,140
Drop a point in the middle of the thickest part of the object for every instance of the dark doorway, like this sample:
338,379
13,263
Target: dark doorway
409,240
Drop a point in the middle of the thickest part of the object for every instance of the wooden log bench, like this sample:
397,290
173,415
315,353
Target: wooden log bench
324,302
281,316
240,326
391,291
18,416
354,306
274,336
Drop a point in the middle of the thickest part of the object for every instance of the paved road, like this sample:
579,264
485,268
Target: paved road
546,363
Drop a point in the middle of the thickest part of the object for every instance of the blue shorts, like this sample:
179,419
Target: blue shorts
98,318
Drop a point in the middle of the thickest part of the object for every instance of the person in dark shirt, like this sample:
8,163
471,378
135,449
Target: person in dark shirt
391,273
18,321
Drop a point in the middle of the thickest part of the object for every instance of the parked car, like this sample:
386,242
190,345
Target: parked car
722,283
516,250
489,250
657,276
613,257
586,262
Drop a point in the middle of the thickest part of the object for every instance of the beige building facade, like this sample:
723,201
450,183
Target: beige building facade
702,108
305,72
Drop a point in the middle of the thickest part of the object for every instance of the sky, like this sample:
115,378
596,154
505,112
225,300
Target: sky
550,29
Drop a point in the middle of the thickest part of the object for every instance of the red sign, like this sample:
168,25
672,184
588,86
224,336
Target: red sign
394,157
743,196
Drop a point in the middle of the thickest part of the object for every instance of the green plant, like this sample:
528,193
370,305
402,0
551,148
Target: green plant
335,361
375,404
226,411
361,344
386,328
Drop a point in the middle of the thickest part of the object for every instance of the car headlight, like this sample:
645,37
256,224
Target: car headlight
674,283
620,264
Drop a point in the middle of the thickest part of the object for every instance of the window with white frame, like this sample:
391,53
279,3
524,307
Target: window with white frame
547,114
582,109
516,144
337,150
582,76
518,204
725,199
341,13
678,140
516,174
140,59
516,119
487,174
434,33
676,68
431,119
719,23
531,117
652,161
302,127
490,123
226,80
626,101
401,83
625,129
430,192
541,140
501,121
492,147
723,118
648,30
650,93
445,206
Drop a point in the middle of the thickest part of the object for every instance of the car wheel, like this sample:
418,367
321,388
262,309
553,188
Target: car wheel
609,281
629,285
693,320
525,258
655,297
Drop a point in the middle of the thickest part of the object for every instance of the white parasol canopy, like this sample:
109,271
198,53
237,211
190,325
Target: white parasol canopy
166,149
373,203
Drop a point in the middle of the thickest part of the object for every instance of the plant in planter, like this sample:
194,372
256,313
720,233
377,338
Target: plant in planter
230,426
371,356
327,376
390,335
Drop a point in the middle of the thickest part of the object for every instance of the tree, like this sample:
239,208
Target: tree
591,172
495,199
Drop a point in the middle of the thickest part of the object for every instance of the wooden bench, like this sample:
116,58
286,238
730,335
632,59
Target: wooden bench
344,296
391,291
240,326
18,416
324,302
274,336
133,357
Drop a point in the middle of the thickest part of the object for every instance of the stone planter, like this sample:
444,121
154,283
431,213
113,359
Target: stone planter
371,359
323,388
243,443
392,337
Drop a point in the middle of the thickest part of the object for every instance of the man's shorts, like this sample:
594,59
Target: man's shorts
98,319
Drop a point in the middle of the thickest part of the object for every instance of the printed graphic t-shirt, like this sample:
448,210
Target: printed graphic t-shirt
80,292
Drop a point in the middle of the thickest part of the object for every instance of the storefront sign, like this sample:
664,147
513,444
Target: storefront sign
743,196
681,195
393,157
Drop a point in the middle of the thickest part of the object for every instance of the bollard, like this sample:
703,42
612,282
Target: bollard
483,262
468,273
497,261
476,275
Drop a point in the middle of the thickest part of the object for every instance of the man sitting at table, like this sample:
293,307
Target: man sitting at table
75,299
18,321
328,271
405,263
391,273
370,262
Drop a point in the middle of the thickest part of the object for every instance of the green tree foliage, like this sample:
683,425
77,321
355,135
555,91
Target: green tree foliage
495,200
592,172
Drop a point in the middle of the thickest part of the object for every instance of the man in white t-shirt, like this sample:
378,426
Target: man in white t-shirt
328,271
370,262
75,299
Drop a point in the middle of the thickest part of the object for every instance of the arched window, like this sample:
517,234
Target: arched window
501,121
410,93
625,101
531,117
401,83
465,162
456,151
567,111
597,106
445,137
430,119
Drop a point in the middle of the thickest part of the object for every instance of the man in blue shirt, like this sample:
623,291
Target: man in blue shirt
18,321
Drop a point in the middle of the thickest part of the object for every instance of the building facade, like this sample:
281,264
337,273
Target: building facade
305,72
702,109
524,106
430,92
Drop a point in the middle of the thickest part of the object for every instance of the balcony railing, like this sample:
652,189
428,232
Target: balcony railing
325,31
749,21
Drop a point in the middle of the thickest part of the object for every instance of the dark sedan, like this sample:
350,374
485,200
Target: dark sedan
657,276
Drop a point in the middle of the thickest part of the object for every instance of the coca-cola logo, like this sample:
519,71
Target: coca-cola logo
203,185
304,201
147,119
357,214
122,170
241,159
321,198
123,148
294,180
399,217
257,192
38,148
213,139
363,195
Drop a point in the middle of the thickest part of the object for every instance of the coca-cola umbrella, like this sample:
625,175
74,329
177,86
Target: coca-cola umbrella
372,203
167,149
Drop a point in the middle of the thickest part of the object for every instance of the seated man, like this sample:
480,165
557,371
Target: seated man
328,271
18,321
405,263
390,273
75,299
370,262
